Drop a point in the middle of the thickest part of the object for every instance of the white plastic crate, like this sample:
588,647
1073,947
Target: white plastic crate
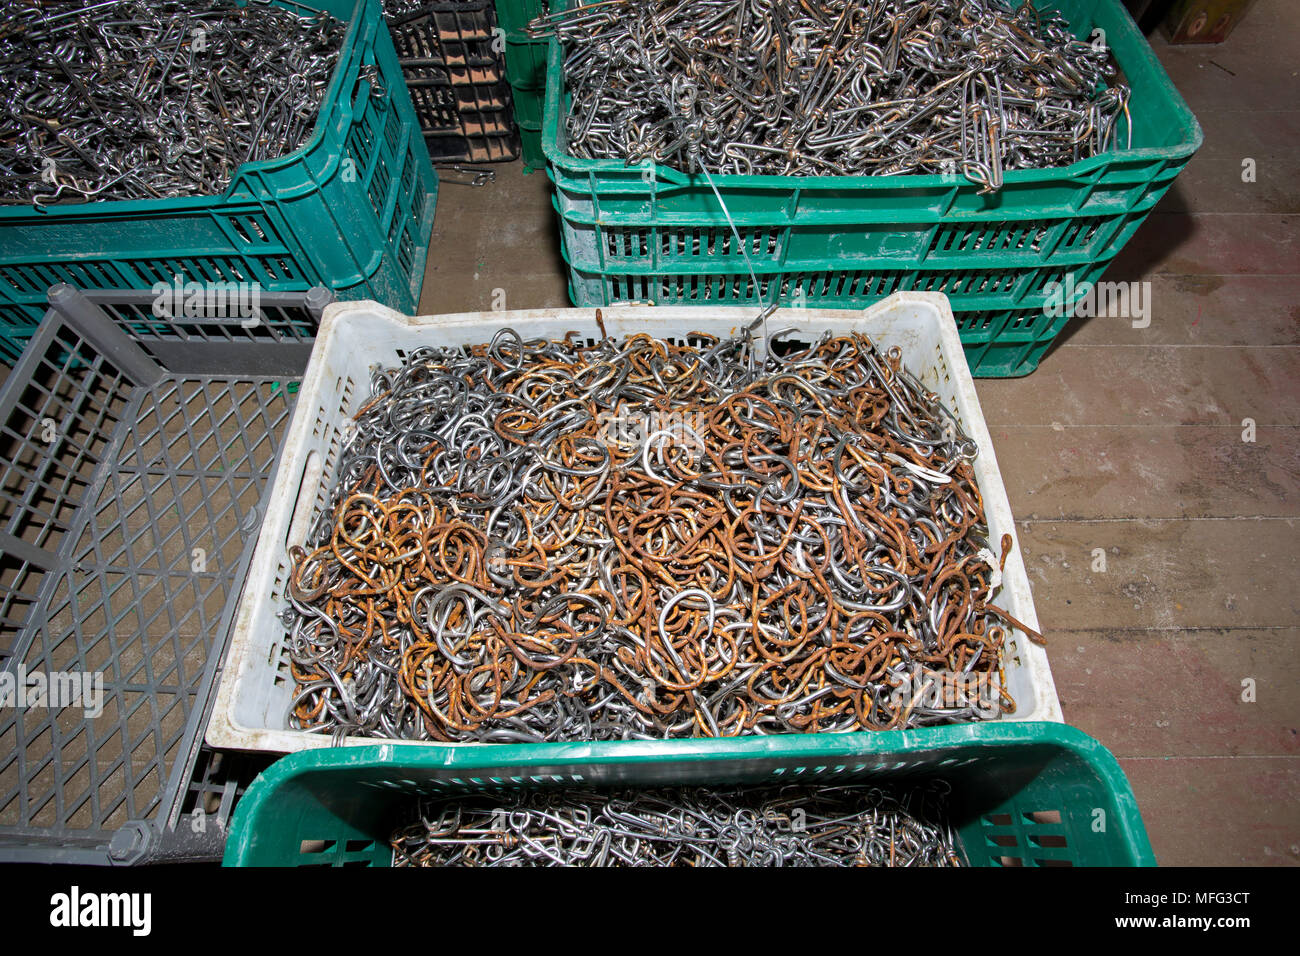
256,687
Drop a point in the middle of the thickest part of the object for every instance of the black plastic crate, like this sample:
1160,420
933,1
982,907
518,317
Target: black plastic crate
453,60
471,122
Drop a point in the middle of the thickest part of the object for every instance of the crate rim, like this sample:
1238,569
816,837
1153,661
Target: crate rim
108,208
1094,165
823,747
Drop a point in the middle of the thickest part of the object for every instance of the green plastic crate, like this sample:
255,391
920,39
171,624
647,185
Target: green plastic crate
530,103
1023,794
652,234
526,64
533,155
526,69
352,210
526,59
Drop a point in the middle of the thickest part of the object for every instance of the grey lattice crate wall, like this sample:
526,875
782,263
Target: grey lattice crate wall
135,454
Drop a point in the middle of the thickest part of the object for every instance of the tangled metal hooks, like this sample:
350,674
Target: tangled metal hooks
787,826
125,99
536,540
834,87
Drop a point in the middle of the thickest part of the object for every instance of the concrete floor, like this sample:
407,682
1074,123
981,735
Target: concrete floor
1126,440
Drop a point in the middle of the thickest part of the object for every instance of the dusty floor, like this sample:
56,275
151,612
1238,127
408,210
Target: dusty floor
1129,441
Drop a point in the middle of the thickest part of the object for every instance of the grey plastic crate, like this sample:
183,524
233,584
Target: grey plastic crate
135,452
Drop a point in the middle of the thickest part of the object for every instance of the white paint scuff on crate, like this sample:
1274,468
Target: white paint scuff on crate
252,703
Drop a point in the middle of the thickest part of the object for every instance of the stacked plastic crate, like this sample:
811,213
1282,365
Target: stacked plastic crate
1008,261
526,70
452,56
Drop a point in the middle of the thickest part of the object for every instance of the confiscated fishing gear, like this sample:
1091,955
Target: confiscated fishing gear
787,826
550,540
834,87
131,100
